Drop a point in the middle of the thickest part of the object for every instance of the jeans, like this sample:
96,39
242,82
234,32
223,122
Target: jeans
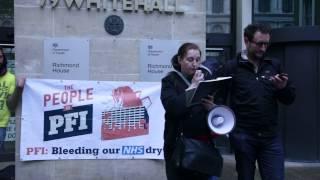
213,178
267,151
2,137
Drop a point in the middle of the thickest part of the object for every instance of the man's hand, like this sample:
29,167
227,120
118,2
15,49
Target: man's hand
280,80
12,100
21,82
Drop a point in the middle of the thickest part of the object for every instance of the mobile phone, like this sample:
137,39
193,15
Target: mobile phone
282,75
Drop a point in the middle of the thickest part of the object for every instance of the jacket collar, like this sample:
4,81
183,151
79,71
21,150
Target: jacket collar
182,77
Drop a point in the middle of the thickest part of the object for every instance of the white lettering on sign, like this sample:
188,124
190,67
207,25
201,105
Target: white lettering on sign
168,6
97,3
78,3
69,120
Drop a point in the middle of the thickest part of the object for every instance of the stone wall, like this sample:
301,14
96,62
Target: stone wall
111,58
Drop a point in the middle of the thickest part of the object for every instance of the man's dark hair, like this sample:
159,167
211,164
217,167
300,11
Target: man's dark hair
253,28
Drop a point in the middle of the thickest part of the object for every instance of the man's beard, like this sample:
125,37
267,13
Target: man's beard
260,56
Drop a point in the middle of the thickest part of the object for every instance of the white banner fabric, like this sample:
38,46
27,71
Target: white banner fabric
73,119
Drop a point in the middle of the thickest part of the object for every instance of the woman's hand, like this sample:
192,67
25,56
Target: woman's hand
208,102
197,77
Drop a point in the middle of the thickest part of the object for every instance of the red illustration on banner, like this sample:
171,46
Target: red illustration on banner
130,119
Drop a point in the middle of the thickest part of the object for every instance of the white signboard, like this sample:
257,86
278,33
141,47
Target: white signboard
155,58
66,58
69,119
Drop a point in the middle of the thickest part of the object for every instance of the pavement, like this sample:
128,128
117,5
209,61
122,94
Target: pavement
293,170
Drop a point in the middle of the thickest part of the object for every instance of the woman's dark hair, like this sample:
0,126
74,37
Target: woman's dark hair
3,67
253,28
182,52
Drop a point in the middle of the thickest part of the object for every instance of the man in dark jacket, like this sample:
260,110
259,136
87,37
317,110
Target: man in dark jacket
258,84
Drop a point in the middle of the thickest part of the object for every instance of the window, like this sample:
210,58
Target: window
307,13
6,13
287,6
264,5
284,13
217,6
218,16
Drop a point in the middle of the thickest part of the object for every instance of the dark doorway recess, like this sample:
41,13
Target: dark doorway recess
298,48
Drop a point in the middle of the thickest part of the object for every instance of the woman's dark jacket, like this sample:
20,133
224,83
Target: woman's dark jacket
173,98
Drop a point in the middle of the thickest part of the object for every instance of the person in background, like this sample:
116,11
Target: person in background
9,96
258,84
211,67
193,119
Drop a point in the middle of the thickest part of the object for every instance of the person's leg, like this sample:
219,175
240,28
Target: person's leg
171,170
213,178
2,138
271,159
185,174
244,147
174,173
